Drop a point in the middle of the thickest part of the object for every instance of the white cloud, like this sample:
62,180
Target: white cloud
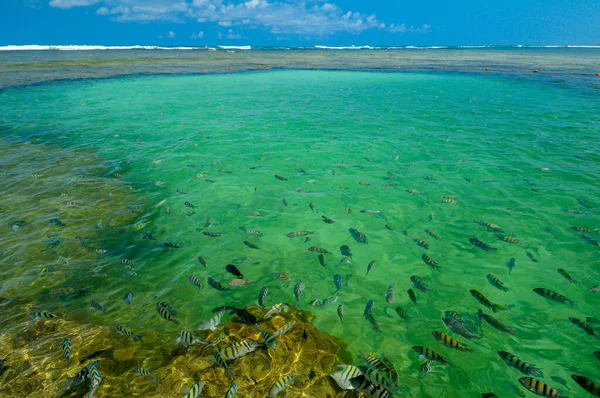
281,17
231,35
171,34
200,35
72,3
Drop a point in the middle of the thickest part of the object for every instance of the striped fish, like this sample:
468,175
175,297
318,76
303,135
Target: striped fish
484,246
212,323
262,295
282,383
239,349
496,282
94,377
344,374
215,284
371,265
194,280
337,281
42,315
495,323
484,301
195,390
489,225
188,338
375,377
458,326
298,290
276,309
389,293
284,329
66,348
401,313
582,325
233,389
521,366
316,249
202,261
419,284
282,178
432,234
298,233
269,340
368,308
509,239
588,385
213,234
429,261
166,314
449,341
566,275
98,306
340,312
219,360
327,220
531,256
143,371
421,243
322,260
549,294
412,295
427,367
539,388
381,364
430,354
125,331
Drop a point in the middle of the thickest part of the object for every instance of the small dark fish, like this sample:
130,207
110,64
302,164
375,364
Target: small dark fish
389,227
98,306
251,245
421,243
583,325
213,234
539,388
280,177
419,284
347,210
495,323
549,294
509,239
511,264
523,367
429,261
497,283
430,354
358,236
233,270
215,284
285,202
194,280
128,298
477,243
298,233
371,265
322,260
487,303
179,191
311,205
566,275
432,234
243,315
587,384
169,245
327,220
488,395
166,314
262,295
316,249
412,295
451,342
345,250
57,222
531,256
124,330
337,281
190,205
148,235
401,313
66,349
202,261
340,312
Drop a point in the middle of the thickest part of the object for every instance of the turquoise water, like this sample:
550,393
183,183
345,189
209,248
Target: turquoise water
520,154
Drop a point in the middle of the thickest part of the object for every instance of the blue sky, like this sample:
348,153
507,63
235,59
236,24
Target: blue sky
308,22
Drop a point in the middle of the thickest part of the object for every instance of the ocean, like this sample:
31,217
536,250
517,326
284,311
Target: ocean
124,170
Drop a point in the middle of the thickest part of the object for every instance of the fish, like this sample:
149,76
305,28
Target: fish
269,340
368,308
188,338
238,282
582,325
539,388
497,283
233,270
239,349
521,366
252,232
280,384
345,260
262,295
347,210
448,200
589,240
487,303
322,260
311,206
401,313
298,290
345,251
358,236
429,261
195,390
196,281
531,256
566,275
143,371
587,384
389,293
371,265
94,377
413,191
255,213
68,291
232,390
344,374
340,312
213,234
284,276
490,226
364,183
427,367
419,284
128,298
212,322
549,294
432,234
511,264
170,245
459,327
219,360
389,227
179,191
281,178
412,295
316,249
488,395
431,216
592,320
215,284
584,230
324,302
448,341
337,281
276,309
495,323
284,329
421,243
368,211
166,314
427,353
202,261
597,354
484,246
190,205
382,365
251,245
57,222
125,331
508,239
594,289
148,235
66,348
327,220
98,306
298,233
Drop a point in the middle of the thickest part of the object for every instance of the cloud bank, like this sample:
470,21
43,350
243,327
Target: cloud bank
281,17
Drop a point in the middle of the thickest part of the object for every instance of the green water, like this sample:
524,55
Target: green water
523,155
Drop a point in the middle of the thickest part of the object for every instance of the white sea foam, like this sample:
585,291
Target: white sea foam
35,47
344,47
235,47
